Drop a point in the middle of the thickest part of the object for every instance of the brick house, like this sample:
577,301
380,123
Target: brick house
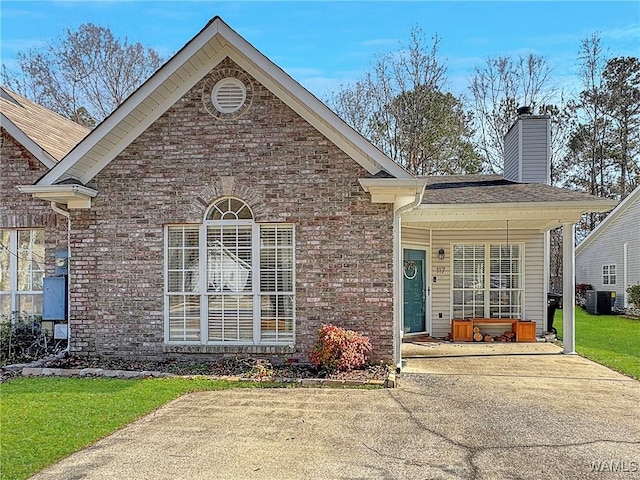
223,210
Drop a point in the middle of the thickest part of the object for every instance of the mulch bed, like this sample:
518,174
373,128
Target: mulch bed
251,368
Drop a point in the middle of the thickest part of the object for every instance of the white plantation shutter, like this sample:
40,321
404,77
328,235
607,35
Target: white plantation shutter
505,281
496,291
183,252
276,282
247,293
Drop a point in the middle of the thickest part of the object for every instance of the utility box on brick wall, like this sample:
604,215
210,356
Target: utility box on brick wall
54,299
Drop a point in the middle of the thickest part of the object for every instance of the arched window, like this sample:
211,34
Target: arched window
229,208
242,276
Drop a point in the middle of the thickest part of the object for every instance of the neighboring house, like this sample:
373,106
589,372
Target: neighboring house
223,210
33,140
609,257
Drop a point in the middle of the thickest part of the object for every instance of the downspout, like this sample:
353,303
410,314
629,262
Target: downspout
67,215
397,250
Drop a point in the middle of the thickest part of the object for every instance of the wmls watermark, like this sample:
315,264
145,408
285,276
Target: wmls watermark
615,466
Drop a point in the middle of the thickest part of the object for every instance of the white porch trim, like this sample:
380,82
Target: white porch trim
568,288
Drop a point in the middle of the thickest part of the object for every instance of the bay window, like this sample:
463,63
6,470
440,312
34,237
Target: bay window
230,280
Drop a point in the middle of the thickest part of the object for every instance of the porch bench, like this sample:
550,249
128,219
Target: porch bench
462,329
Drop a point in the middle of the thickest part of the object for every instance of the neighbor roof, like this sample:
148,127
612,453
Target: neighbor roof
477,189
195,60
45,134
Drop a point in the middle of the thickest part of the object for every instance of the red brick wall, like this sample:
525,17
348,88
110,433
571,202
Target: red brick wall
285,170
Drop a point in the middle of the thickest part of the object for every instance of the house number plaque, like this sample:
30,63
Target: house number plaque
440,270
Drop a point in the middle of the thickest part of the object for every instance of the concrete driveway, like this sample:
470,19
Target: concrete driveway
492,417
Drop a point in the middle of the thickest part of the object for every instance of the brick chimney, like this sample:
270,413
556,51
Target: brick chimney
527,148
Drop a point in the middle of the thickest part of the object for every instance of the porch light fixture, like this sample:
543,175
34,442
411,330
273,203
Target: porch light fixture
441,254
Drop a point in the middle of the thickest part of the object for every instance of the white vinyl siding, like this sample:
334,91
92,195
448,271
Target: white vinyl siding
607,248
230,280
21,272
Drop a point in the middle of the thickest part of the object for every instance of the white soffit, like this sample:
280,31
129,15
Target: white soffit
176,77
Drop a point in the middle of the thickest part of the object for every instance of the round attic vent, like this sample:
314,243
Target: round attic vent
228,95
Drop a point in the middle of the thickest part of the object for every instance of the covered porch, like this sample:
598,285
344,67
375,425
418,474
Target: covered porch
478,247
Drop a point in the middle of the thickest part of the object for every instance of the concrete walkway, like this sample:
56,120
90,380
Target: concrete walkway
489,417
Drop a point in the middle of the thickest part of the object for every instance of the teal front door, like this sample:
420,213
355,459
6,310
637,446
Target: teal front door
415,295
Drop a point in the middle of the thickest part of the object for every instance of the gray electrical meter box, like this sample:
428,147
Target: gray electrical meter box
62,262
54,299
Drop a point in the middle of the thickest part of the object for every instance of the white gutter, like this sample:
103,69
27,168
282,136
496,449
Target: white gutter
398,307
67,215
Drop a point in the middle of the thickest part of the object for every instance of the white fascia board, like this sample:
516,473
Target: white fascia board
615,213
73,196
128,106
390,190
567,212
32,147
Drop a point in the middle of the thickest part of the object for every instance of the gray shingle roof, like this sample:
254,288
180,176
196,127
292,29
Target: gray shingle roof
474,189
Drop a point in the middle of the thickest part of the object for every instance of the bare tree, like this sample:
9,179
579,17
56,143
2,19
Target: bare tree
622,104
83,75
401,107
497,89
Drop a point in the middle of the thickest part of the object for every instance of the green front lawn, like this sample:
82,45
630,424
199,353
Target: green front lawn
45,419
607,339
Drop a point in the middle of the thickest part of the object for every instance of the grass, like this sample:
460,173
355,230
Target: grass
45,419
610,340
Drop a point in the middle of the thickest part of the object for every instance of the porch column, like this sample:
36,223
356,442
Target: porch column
397,285
568,288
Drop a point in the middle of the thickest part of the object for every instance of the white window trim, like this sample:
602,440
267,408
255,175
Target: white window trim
204,294
608,275
13,291
487,276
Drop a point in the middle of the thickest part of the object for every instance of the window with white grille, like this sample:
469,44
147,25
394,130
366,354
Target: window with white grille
21,272
608,274
230,280
487,281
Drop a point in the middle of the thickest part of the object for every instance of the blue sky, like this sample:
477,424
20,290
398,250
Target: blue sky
323,44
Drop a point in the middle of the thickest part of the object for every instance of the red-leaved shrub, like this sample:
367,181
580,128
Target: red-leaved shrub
339,349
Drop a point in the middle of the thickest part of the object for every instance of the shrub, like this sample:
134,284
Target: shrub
23,340
339,349
581,293
633,293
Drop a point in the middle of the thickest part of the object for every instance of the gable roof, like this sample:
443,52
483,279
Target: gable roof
187,67
45,134
609,219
